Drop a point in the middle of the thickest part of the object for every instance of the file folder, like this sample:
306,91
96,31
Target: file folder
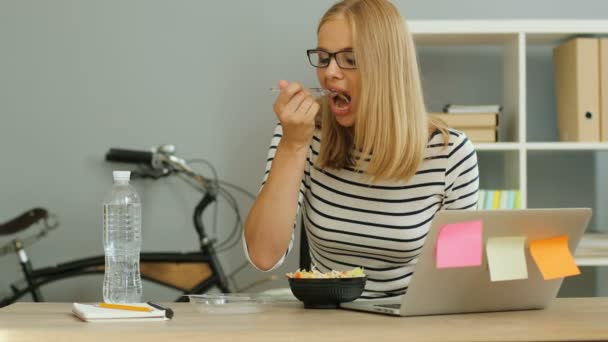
577,81
604,89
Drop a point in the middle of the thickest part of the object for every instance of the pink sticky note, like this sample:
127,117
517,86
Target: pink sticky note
459,245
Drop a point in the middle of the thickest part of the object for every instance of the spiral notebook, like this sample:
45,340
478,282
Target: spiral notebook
94,313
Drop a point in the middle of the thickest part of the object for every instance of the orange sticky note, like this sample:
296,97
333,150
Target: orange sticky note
459,245
553,257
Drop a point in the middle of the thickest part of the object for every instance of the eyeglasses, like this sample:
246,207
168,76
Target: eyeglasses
321,58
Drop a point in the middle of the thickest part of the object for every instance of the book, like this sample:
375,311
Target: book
95,313
517,199
504,199
489,199
455,109
477,120
481,200
480,135
511,199
496,199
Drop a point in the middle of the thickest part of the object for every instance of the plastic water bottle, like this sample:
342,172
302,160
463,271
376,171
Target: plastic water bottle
122,242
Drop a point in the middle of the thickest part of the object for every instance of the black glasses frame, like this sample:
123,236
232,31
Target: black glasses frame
331,55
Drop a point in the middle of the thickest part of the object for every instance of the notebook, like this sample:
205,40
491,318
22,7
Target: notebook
94,313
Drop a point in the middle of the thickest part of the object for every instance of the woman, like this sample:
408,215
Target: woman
365,163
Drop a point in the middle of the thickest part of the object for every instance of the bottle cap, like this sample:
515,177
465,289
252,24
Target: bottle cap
121,176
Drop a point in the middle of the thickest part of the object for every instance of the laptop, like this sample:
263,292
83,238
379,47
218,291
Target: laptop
435,291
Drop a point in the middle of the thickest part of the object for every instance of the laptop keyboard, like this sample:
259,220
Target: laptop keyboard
390,306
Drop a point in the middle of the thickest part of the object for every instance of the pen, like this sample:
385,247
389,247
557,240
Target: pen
168,311
123,307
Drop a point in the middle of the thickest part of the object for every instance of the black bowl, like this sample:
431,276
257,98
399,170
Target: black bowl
326,293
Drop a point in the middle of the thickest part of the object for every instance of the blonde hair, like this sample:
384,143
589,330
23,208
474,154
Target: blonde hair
392,125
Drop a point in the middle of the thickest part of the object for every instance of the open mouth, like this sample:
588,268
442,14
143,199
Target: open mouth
341,99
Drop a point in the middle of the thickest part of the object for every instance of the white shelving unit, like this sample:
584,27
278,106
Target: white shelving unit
515,37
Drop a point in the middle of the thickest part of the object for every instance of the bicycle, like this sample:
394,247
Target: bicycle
189,272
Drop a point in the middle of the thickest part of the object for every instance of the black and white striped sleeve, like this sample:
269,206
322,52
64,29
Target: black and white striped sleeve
462,176
274,143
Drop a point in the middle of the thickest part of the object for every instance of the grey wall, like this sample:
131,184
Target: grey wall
78,77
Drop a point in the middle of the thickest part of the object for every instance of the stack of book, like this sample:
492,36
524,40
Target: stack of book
498,199
479,123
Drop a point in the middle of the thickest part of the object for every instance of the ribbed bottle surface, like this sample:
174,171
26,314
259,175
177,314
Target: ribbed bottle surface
122,245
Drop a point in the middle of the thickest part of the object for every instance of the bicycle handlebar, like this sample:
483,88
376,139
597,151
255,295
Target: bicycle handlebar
163,158
130,156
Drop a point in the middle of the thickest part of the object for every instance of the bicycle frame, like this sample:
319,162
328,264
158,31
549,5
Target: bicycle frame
36,278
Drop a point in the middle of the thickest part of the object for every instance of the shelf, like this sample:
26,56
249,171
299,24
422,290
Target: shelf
499,31
456,38
565,146
592,250
500,146
515,56
542,146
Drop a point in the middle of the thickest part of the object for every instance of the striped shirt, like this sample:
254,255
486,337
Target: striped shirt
351,222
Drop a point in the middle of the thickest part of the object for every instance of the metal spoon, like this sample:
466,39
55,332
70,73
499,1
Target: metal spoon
321,91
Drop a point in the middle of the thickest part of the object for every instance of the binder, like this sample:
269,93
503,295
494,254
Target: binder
576,68
604,89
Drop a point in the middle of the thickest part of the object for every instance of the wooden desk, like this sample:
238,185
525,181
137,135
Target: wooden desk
569,319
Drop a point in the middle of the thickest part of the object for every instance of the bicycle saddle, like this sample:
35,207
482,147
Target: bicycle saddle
23,221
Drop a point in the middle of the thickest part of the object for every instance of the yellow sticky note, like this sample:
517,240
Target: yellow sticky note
507,258
553,258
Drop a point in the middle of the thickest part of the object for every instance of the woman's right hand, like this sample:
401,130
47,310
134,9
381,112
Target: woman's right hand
296,109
